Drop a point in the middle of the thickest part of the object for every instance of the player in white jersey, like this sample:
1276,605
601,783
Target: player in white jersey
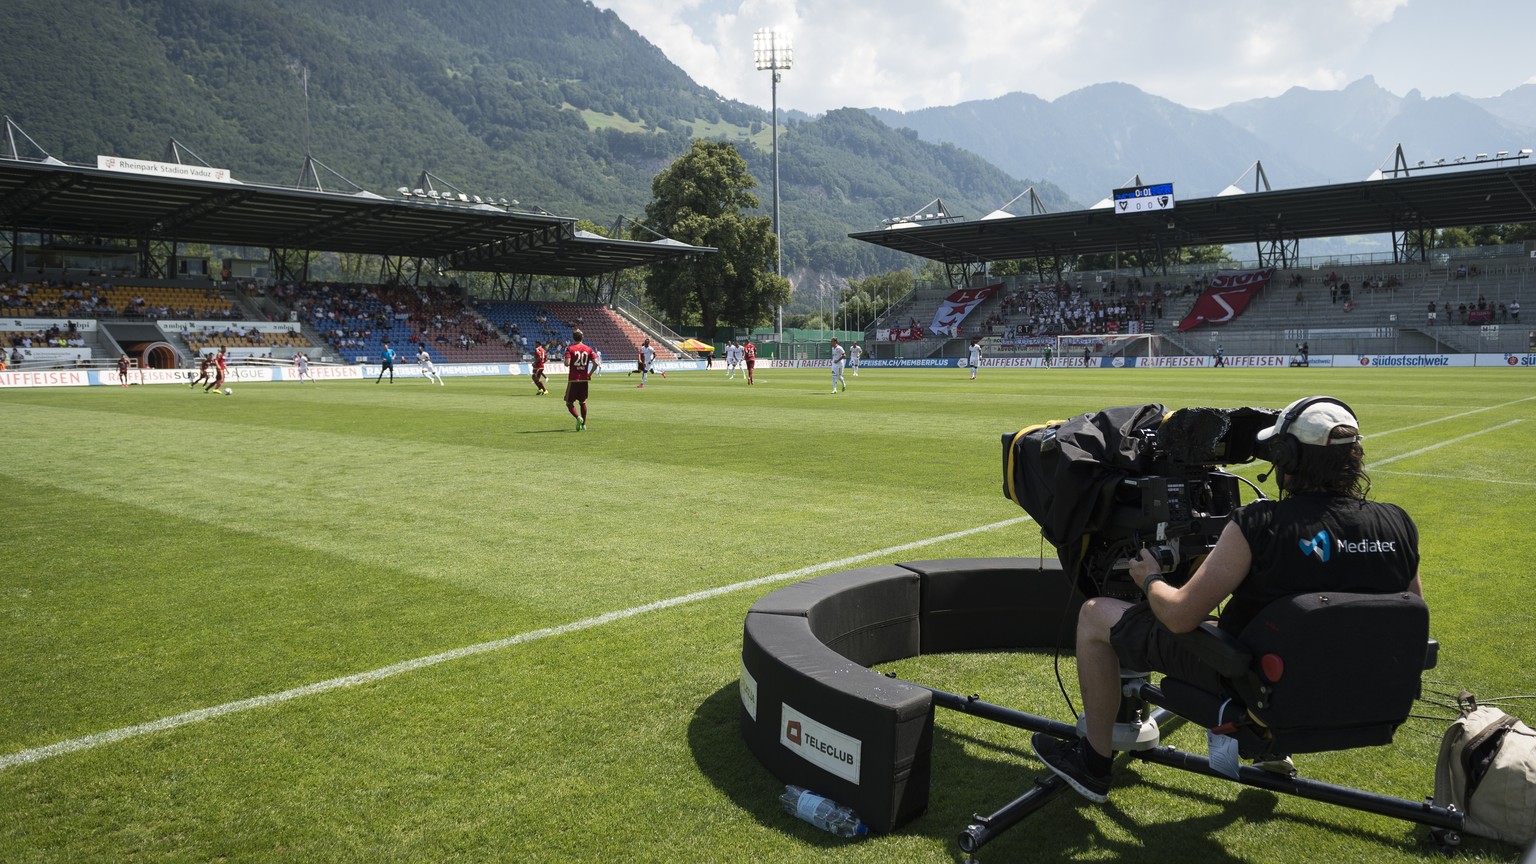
975,359
732,357
647,362
428,371
854,353
837,365
301,363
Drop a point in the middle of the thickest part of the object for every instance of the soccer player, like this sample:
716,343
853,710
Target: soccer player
387,359
429,371
837,366
731,359
202,369
975,359
580,363
647,362
301,362
220,366
854,353
540,356
122,370
749,353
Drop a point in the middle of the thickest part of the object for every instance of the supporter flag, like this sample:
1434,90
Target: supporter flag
958,305
1227,297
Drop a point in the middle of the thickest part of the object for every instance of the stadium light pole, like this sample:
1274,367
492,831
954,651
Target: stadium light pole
772,51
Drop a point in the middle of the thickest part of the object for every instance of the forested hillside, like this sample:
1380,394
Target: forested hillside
556,104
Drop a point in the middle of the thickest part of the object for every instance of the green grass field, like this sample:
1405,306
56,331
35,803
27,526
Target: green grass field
166,551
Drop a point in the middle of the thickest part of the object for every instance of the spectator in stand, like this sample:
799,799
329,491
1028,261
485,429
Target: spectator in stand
1514,310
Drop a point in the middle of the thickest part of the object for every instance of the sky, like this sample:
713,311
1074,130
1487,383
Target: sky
911,54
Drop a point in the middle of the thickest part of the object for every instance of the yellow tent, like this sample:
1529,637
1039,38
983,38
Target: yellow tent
691,344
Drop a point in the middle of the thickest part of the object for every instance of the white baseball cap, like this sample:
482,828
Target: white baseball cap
1315,423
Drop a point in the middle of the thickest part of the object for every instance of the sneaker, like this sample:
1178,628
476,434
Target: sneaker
1281,765
1065,759
580,425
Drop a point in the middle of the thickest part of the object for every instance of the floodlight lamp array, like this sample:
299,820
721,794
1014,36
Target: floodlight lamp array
772,49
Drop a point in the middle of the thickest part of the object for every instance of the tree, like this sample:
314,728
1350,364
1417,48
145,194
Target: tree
701,200
868,298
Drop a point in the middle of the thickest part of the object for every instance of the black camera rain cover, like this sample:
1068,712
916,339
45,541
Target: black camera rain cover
1064,475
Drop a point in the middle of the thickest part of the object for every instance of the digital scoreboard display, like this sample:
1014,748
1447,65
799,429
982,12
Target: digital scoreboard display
1144,199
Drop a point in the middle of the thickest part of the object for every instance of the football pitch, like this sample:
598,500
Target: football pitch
371,622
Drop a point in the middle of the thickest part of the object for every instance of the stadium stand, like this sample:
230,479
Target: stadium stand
524,323
608,331
49,298
1466,296
235,338
358,318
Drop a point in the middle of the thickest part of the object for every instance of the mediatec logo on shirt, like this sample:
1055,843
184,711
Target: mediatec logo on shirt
1322,546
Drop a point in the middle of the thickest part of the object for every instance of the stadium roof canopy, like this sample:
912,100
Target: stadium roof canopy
1413,200
49,197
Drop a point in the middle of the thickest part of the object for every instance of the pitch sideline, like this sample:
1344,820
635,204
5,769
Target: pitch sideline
87,742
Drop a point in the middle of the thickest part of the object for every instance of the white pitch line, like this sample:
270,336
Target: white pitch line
1449,417
1390,459
87,742
1455,479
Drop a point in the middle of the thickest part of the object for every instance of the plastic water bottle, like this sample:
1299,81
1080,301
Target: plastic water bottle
824,813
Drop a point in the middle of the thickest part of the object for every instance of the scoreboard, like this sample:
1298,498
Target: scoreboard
1144,199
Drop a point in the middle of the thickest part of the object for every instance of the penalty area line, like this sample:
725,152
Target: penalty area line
98,739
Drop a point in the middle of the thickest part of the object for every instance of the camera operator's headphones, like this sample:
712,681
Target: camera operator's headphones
1285,450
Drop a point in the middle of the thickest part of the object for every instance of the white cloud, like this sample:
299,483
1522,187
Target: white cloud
910,54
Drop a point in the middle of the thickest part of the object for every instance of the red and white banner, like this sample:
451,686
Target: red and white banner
958,305
1227,297
900,334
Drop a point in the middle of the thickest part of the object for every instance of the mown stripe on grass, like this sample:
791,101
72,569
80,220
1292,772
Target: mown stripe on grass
87,742
1436,446
1451,417
1457,478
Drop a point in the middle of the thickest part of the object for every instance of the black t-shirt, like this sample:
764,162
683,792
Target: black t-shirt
1319,542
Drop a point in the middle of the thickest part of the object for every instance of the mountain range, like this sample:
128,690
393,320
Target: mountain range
563,107
1096,139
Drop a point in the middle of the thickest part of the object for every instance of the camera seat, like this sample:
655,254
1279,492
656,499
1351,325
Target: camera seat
1312,672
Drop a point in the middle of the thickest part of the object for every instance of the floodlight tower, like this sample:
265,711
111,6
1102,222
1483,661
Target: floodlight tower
771,50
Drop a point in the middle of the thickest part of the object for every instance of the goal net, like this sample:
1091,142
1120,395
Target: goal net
1111,345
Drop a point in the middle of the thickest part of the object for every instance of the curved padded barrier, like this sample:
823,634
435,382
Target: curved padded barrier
816,716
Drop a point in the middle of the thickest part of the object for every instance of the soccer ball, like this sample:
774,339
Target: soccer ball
228,392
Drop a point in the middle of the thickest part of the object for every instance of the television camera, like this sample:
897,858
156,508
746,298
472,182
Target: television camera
1106,484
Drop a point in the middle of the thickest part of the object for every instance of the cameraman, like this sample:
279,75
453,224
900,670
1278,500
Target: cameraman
1321,535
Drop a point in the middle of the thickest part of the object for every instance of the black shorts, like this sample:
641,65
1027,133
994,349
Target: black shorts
1142,643
575,391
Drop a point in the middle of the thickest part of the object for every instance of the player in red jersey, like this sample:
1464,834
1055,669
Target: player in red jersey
540,356
122,370
749,351
220,366
580,363
202,369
